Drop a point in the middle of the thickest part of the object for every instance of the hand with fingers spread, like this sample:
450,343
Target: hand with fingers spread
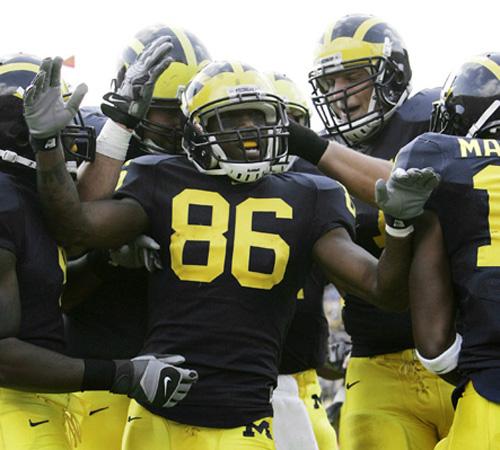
403,197
154,379
130,103
45,111
141,252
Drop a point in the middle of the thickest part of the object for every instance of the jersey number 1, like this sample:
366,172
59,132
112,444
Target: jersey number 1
489,179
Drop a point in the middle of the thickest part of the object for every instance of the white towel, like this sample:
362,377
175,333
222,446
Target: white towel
292,428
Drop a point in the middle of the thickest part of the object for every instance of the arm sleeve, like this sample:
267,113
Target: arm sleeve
334,208
423,152
137,181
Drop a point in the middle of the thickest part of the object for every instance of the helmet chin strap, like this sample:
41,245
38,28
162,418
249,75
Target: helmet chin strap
483,119
13,158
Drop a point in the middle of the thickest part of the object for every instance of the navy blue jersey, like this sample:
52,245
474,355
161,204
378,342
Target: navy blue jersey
40,264
372,330
234,257
306,343
116,313
467,202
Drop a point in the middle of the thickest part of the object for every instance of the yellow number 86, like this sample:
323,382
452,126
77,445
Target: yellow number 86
244,238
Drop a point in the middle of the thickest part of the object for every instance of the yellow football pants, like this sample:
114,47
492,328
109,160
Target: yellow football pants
145,430
476,425
310,393
394,403
31,421
104,420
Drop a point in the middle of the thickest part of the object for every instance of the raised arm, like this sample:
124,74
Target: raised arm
356,171
354,270
108,223
125,108
97,224
385,283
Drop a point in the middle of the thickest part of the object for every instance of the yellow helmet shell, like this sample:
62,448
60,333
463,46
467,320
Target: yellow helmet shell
222,82
188,53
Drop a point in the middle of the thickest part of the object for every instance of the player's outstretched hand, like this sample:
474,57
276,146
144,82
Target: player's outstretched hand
405,193
45,111
130,103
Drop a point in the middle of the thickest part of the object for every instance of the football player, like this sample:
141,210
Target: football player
456,266
234,247
33,368
361,87
109,301
305,346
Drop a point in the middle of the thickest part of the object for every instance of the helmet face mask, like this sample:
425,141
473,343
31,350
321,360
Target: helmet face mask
237,129
161,131
371,60
469,104
79,140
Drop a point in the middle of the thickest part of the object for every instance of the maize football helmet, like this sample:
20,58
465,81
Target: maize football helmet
210,101
469,104
188,56
352,43
296,108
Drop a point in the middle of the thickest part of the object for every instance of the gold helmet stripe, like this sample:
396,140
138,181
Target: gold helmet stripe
29,67
491,65
365,27
137,46
187,46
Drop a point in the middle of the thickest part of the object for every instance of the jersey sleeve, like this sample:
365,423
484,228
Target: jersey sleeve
420,153
11,219
137,181
334,208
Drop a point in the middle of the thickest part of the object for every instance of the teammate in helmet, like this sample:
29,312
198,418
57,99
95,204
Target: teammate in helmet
233,253
456,269
109,303
361,82
33,368
361,76
160,131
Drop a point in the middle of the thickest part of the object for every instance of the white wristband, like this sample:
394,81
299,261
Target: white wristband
446,361
113,141
399,232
